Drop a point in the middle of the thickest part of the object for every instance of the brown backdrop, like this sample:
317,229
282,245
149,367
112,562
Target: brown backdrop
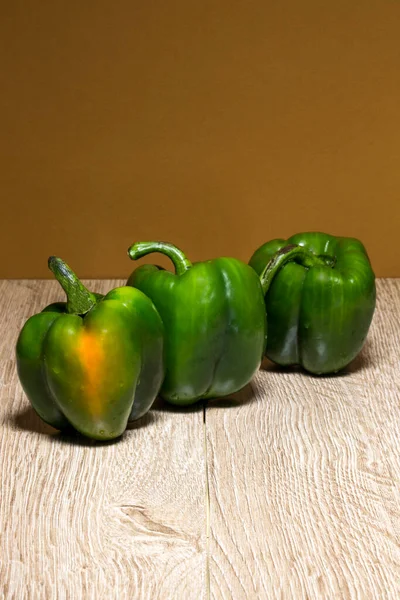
215,125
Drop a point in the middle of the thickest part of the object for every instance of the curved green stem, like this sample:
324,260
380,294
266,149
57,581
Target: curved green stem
181,263
292,253
79,299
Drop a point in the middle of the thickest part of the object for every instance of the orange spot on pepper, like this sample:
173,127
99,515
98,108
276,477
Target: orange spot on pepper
91,355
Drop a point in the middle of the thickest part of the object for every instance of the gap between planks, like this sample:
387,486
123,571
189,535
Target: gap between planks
207,503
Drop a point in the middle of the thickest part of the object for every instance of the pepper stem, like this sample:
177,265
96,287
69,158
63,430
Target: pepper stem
79,299
181,263
292,253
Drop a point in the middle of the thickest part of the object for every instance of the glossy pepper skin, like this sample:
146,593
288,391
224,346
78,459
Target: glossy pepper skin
93,363
214,318
320,299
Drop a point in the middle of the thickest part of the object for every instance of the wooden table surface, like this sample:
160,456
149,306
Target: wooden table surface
288,489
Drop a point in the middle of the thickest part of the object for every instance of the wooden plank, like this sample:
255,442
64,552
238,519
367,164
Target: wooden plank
83,520
304,478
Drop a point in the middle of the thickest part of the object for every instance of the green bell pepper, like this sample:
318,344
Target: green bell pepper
93,362
320,299
214,318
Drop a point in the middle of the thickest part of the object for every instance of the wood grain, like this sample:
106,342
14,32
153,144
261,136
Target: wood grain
304,478
81,520
302,473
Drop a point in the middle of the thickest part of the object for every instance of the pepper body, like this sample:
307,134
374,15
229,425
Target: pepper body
214,318
319,303
97,371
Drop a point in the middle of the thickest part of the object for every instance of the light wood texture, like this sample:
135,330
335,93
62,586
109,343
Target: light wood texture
302,473
112,521
305,478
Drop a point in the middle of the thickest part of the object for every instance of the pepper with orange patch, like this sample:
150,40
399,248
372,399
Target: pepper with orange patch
92,363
